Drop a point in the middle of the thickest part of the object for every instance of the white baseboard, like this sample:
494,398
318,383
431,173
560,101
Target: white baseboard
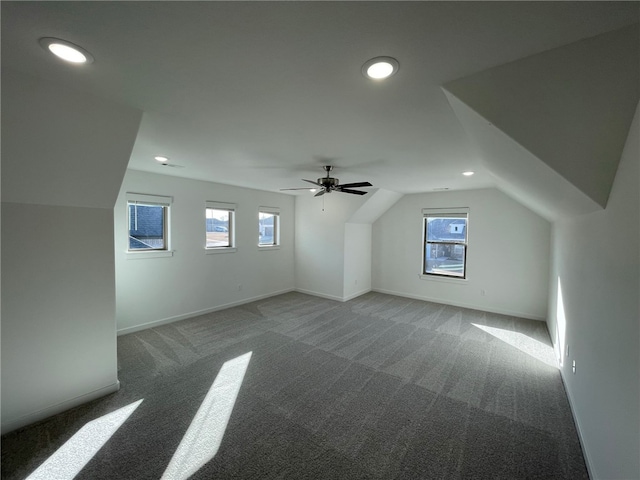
482,308
355,295
30,418
333,297
321,295
184,316
585,452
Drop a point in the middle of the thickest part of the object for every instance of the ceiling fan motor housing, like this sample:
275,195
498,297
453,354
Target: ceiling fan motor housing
328,182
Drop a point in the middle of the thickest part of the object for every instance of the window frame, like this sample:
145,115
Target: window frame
231,208
275,211
454,212
149,200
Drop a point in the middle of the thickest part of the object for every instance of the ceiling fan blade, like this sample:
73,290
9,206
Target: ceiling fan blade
311,181
346,190
321,192
357,184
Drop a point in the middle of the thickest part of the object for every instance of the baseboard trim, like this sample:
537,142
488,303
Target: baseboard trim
585,452
30,418
333,297
355,295
184,316
321,295
461,304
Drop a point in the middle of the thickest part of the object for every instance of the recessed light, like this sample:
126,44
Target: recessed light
66,50
380,68
161,159
468,173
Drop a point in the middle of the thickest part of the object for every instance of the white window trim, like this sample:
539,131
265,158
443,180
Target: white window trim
441,211
153,200
443,278
231,207
453,211
144,199
216,250
273,211
132,255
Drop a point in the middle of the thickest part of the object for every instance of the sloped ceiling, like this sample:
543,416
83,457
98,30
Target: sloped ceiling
563,117
378,202
519,173
63,147
262,94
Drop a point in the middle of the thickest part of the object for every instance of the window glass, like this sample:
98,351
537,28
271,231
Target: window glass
219,227
445,245
147,227
268,228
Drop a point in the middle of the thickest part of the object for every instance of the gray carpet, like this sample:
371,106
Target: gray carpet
379,387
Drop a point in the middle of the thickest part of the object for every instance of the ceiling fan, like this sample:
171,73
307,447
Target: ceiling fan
329,184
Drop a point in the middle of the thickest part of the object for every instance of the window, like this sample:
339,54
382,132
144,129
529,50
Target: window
148,222
220,225
268,227
445,242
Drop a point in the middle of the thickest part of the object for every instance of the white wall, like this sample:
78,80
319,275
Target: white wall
595,312
357,259
508,254
64,154
320,242
58,327
152,291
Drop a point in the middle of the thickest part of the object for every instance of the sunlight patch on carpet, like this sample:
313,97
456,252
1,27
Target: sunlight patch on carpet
524,343
204,435
71,457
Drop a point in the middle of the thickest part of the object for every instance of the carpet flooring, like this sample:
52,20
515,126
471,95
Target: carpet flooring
380,387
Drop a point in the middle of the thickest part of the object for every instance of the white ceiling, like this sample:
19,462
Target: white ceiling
262,94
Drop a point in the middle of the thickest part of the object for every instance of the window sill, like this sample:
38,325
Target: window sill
148,254
268,247
215,250
437,278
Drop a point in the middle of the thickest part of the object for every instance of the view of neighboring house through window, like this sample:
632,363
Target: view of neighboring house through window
268,226
220,225
445,242
148,222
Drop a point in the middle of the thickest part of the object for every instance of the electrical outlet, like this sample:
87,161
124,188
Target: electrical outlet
573,367
239,287
483,292
566,353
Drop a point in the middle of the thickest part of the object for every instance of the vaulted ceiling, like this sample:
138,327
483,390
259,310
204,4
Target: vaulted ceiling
262,94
